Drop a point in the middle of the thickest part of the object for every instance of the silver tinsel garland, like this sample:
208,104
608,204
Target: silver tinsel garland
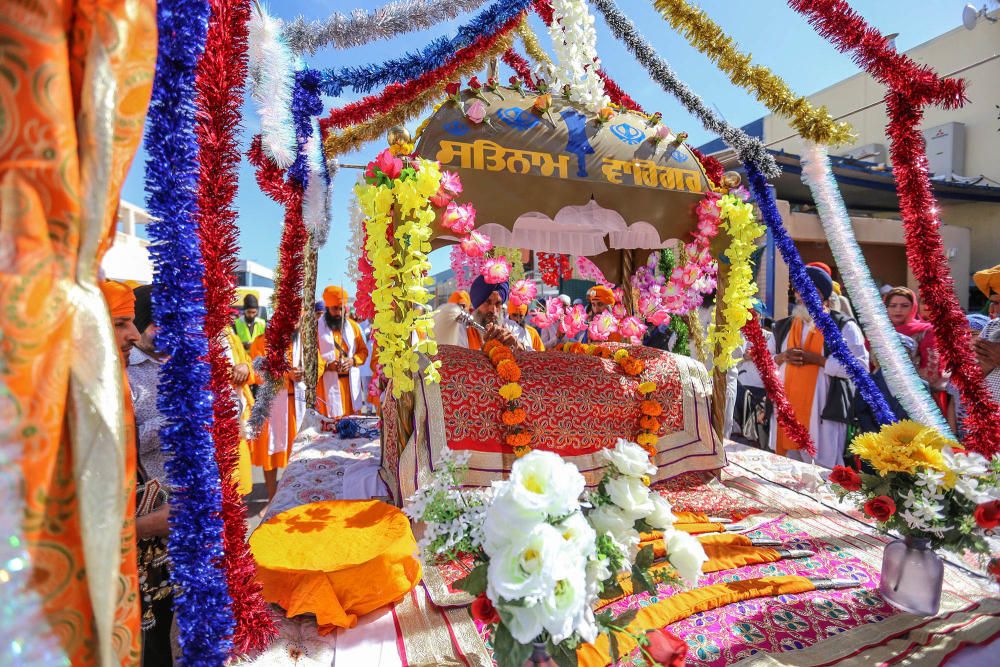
749,149
345,31
266,391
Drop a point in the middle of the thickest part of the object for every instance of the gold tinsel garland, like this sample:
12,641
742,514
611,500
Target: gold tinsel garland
705,35
354,137
531,45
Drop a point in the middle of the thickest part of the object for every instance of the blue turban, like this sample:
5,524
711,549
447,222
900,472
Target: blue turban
977,321
481,290
822,280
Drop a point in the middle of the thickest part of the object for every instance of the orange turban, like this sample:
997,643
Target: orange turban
334,296
601,294
121,300
988,280
517,310
821,265
461,296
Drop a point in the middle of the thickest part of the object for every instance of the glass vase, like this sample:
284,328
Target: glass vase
912,575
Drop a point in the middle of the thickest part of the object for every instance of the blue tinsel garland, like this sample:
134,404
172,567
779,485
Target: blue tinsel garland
203,606
810,296
306,103
365,78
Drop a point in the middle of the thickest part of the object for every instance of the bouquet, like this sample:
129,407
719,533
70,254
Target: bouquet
921,484
542,558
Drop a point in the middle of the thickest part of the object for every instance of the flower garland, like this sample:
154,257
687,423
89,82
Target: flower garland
749,149
203,605
219,83
396,195
737,302
413,65
356,246
554,267
574,41
810,296
783,411
517,436
347,31
272,67
911,87
466,267
513,257
706,36
902,381
713,168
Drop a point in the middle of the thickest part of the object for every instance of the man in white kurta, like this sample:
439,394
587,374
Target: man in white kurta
342,346
802,348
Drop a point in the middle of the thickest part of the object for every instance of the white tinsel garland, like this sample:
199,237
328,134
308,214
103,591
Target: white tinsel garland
357,243
316,199
272,77
574,41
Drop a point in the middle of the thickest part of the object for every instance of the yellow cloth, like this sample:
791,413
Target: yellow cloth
536,339
337,559
682,605
988,280
800,382
334,296
244,470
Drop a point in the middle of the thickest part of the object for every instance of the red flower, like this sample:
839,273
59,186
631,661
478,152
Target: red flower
491,82
474,84
994,568
846,478
389,164
987,515
453,88
666,648
514,81
484,611
880,508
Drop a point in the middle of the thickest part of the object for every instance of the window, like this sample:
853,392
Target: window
260,281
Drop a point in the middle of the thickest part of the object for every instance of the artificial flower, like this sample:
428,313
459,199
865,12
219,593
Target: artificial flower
476,244
545,482
880,508
846,478
474,84
510,391
574,321
662,133
602,326
525,567
451,183
662,517
562,607
611,520
389,164
686,555
628,459
507,521
542,103
605,114
987,515
631,495
453,89
460,218
666,649
523,292
651,408
483,610
631,327
496,270
475,111
579,535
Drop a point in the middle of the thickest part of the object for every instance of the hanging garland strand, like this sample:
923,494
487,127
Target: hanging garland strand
203,606
520,66
413,65
911,87
810,296
342,31
706,36
783,411
221,74
749,150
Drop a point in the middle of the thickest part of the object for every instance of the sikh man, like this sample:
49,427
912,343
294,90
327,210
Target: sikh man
249,327
461,297
342,346
518,315
988,282
600,299
488,311
811,376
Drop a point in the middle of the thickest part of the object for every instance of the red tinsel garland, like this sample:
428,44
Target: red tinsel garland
399,94
291,254
219,82
911,87
519,65
713,168
553,267
764,362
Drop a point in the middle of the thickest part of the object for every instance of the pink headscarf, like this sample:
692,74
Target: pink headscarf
914,327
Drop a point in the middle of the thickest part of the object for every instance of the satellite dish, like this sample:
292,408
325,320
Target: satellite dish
969,16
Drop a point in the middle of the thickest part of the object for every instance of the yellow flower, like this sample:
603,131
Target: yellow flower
929,457
901,433
621,353
647,387
645,480
646,439
510,391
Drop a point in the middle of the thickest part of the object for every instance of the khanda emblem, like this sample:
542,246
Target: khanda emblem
628,134
456,128
518,119
577,143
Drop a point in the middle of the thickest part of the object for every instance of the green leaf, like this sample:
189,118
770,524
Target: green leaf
506,650
613,643
473,583
626,618
611,591
644,559
564,656
641,582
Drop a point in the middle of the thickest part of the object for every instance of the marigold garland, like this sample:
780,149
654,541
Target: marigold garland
706,36
738,220
396,196
512,416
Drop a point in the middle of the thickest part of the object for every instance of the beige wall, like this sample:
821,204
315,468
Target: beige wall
881,243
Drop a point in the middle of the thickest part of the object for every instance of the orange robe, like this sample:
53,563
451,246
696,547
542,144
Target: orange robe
343,379
536,338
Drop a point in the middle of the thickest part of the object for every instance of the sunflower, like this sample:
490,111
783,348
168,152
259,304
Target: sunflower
928,456
902,432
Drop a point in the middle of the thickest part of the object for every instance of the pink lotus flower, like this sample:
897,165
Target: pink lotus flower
476,244
618,310
632,327
441,199
603,326
475,111
541,320
574,321
658,317
496,270
451,183
389,164
523,292
460,218
690,274
554,308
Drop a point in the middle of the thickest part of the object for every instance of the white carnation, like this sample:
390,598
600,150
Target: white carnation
629,459
631,495
686,555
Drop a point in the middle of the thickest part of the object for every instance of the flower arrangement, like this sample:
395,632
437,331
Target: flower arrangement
553,267
517,436
395,199
738,220
924,485
574,40
543,557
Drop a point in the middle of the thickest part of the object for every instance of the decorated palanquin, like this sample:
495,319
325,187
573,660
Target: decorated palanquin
576,406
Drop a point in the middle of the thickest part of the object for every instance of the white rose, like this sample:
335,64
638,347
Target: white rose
581,540
598,571
507,521
544,482
564,606
631,495
610,520
629,458
686,555
529,567
661,518
525,622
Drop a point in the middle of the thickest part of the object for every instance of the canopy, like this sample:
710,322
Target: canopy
562,180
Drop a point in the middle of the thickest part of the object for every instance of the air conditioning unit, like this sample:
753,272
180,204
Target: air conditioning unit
946,149
868,153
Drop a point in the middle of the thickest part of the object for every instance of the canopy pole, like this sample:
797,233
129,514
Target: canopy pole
628,268
309,334
719,376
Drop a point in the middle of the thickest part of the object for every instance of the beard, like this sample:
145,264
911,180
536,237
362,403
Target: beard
333,323
484,318
801,312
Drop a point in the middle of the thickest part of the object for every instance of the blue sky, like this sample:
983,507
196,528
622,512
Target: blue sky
775,35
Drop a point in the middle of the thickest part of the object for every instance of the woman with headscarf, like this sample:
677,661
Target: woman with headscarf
903,308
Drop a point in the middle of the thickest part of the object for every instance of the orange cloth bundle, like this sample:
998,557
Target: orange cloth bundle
680,606
691,528
337,559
